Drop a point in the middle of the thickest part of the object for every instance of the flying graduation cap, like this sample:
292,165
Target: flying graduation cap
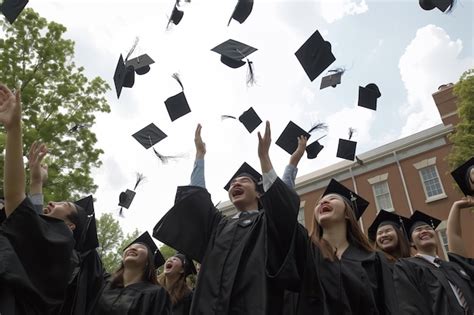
332,79
249,119
126,197
387,218
358,203
177,105
288,140
464,177
145,239
232,52
347,148
176,14
368,96
315,55
149,136
242,11
11,9
442,5
88,239
420,218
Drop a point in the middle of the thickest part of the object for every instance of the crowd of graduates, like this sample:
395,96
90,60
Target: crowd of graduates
259,261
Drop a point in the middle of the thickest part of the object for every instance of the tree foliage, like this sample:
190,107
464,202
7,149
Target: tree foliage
463,136
56,96
112,241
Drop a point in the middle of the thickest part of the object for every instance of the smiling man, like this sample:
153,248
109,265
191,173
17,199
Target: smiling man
425,283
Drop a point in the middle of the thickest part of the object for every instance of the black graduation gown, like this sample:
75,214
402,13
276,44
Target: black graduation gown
235,253
138,298
35,267
184,306
424,289
85,284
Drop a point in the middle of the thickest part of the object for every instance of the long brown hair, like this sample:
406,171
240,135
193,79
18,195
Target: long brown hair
402,249
177,290
149,272
355,236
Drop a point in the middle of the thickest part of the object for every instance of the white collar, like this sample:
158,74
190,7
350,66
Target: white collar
237,215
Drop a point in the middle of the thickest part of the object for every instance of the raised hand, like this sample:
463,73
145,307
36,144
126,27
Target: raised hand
296,156
38,171
264,148
10,108
200,145
465,202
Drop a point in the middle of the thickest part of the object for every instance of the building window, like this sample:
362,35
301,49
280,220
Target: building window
301,212
443,238
383,200
431,183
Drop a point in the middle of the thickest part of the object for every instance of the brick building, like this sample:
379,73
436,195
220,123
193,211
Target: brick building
408,174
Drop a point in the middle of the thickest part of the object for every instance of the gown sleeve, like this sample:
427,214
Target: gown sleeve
190,224
466,263
154,302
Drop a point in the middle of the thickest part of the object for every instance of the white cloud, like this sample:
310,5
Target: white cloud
431,59
333,10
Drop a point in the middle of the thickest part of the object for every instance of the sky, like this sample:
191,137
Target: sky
406,51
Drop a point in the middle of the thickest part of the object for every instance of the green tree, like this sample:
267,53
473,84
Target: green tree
56,97
463,135
112,241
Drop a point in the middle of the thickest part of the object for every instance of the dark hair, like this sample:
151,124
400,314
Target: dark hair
149,272
355,236
468,179
77,217
402,250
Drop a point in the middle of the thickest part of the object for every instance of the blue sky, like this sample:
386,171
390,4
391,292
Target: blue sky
406,51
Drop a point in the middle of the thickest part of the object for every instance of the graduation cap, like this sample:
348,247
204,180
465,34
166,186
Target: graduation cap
88,239
332,79
11,9
124,76
442,5
176,15
140,64
232,52
126,197
249,119
464,177
315,55
368,96
419,218
359,204
387,218
242,11
188,264
146,240
177,105
347,148
77,127
288,140
248,171
149,136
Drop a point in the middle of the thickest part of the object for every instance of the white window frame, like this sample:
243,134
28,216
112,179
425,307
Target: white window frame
424,164
301,213
377,180
444,246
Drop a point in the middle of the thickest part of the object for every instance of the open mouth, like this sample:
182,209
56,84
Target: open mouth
131,253
425,236
168,265
385,241
237,192
325,209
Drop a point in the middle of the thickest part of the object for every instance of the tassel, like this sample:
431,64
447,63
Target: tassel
176,77
351,132
223,117
318,126
250,74
130,52
140,178
340,70
121,212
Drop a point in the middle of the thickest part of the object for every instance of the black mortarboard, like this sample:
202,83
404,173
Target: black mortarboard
288,140
249,171
140,64
462,176
176,16
149,136
359,204
232,52
442,5
249,119
242,11
88,238
124,76
384,218
368,96
347,148
126,198
419,218
315,55
11,9
188,264
177,105
146,240
332,79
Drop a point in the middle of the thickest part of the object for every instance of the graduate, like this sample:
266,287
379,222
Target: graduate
133,288
177,268
425,284
234,252
35,250
338,272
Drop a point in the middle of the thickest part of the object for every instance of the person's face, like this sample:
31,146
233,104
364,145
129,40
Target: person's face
60,210
173,266
330,209
242,191
387,238
135,254
424,236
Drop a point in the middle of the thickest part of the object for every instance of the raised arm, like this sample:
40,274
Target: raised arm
291,170
454,231
38,174
14,171
197,176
